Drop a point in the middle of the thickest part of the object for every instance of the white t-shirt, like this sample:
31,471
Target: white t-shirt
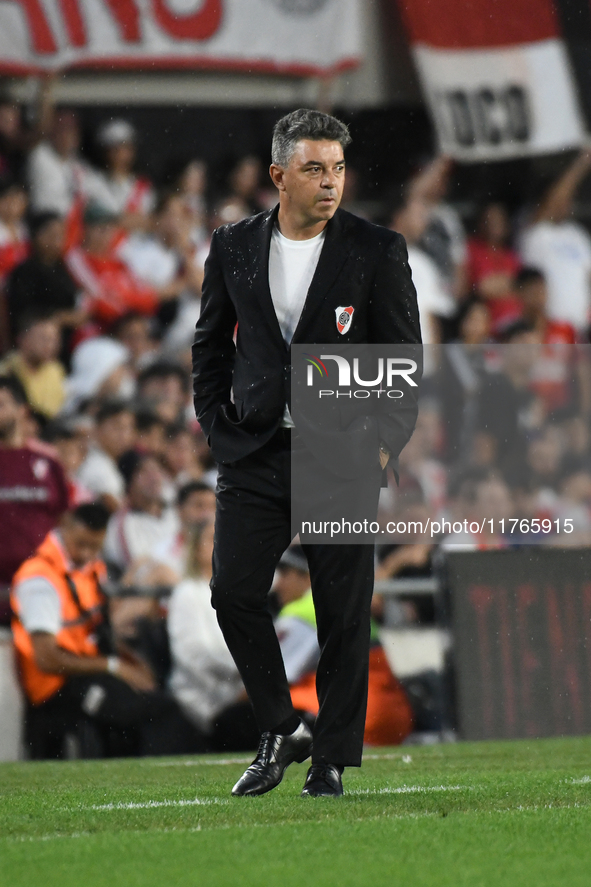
149,260
39,605
100,475
55,181
292,264
432,296
132,535
562,252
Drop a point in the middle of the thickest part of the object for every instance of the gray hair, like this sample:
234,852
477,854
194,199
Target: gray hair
305,124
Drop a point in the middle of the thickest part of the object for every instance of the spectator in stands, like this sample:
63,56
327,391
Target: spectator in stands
13,140
165,386
100,371
114,435
150,433
181,457
508,408
42,281
165,256
195,506
493,265
204,678
561,248
67,674
35,364
420,460
166,259
132,536
136,528
134,331
244,182
71,451
561,376
33,489
192,186
531,288
14,239
485,500
59,180
410,218
474,323
111,290
130,197
544,459
444,238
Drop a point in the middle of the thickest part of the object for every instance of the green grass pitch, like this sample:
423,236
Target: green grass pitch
513,814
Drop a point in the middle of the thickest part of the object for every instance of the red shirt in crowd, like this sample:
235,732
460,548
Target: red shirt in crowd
110,286
483,262
554,372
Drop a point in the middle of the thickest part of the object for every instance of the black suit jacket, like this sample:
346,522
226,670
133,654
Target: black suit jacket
241,387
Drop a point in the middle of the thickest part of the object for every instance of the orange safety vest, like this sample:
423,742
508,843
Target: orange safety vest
79,618
389,717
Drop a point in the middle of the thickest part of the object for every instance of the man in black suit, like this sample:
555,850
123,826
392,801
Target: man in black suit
278,278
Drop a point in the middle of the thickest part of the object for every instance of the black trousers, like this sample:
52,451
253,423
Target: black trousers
252,530
127,722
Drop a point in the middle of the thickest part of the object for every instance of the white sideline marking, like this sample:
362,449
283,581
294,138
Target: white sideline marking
407,790
221,762
584,780
149,805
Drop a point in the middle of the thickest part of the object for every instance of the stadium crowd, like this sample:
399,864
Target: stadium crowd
100,276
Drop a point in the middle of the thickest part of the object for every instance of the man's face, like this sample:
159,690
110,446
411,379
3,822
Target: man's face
41,342
121,156
146,485
98,238
66,134
534,295
11,413
312,183
117,434
50,240
82,544
197,508
13,205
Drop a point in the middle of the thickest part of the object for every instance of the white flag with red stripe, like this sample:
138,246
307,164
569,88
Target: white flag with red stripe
496,77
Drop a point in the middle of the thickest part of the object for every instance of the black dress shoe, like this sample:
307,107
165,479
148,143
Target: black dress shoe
275,754
323,781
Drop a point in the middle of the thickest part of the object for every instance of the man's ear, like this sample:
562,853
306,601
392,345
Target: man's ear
277,173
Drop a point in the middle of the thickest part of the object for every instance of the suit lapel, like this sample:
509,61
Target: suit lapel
260,275
334,253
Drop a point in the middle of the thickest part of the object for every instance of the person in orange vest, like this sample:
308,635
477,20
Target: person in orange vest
68,665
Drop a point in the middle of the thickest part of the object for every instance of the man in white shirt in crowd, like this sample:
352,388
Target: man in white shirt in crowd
114,435
561,249
129,196
410,218
135,529
56,174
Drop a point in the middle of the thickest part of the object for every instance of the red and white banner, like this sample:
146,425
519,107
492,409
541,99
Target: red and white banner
496,76
279,36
